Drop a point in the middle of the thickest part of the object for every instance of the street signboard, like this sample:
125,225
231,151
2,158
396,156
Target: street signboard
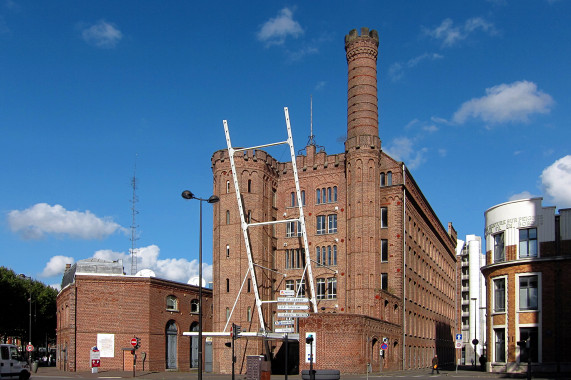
29,348
459,337
384,346
293,299
287,292
284,323
293,315
458,344
134,342
284,330
293,307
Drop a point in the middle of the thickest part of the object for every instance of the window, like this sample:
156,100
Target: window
227,285
500,345
334,193
528,293
384,250
249,313
334,256
383,181
318,256
194,306
384,281
227,250
384,217
249,285
172,303
289,285
332,223
323,196
320,289
331,288
303,197
300,287
320,229
249,186
292,199
295,258
318,196
524,352
500,295
227,216
227,314
499,252
227,186
329,198
528,242
274,197
290,229
389,178
249,216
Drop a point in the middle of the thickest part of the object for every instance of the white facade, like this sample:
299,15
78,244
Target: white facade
472,297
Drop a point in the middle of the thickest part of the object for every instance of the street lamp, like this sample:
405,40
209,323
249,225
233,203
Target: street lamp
213,199
475,341
30,305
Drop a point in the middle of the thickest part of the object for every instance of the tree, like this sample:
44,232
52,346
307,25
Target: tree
14,322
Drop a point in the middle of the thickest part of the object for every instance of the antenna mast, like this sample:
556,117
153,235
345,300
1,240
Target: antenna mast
311,140
134,226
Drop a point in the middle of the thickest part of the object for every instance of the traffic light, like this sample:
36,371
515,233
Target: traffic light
309,339
138,343
235,331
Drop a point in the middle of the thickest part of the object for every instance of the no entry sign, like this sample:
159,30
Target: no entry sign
134,342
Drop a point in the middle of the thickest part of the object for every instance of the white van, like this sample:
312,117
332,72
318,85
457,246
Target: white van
12,365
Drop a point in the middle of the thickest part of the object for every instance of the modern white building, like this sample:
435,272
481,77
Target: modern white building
528,249
472,298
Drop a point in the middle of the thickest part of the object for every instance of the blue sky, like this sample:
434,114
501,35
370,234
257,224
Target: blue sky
474,98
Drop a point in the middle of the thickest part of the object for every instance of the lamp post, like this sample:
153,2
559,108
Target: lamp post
475,341
213,199
30,311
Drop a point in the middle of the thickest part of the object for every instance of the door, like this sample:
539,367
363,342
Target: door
171,335
194,346
208,355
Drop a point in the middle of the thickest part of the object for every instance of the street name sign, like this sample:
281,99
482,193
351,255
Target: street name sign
293,299
284,330
284,323
293,307
287,292
293,315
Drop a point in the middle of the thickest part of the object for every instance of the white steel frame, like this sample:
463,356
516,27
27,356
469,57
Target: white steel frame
244,225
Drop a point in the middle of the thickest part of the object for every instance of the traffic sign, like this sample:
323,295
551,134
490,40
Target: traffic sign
293,299
134,342
29,348
284,330
284,323
293,315
458,344
293,307
459,337
287,292
384,346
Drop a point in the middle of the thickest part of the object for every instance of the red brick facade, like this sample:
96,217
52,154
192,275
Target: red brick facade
407,296
125,306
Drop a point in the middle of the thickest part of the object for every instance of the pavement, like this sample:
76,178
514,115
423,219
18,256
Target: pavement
54,373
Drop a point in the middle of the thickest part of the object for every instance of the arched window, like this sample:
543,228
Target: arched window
172,303
227,186
227,250
194,306
389,178
249,313
383,183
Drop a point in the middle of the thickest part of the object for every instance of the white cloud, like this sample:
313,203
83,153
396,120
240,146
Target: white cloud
522,195
180,270
430,128
506,103
396,70
402,149
102,34
556,181
277,29
451,35
40,219
56,266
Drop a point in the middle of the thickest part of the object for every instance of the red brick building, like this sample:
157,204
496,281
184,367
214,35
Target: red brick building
528,252
99,306
383,265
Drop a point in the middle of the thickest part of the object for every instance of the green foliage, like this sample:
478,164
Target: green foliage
15,315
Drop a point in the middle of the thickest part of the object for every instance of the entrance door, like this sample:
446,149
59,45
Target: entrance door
171,335
194,346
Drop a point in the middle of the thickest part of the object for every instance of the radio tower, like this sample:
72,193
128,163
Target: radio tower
134,226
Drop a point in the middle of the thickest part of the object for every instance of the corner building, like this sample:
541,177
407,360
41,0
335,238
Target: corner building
528,261
384,267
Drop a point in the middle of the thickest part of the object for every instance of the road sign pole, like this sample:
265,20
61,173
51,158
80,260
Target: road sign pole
286,355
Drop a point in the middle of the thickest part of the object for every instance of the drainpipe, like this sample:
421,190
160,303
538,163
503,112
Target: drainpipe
404,268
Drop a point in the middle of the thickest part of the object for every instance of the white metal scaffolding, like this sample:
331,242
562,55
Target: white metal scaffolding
307,271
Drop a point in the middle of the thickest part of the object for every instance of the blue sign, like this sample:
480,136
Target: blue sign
384,346
458,336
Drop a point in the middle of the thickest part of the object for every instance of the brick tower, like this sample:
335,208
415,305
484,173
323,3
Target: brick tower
363,156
